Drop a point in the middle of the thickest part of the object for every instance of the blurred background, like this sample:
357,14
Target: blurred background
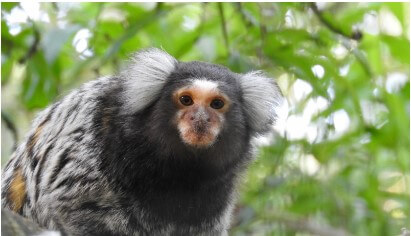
338,162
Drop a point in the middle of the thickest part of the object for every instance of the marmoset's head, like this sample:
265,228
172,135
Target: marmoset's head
199,102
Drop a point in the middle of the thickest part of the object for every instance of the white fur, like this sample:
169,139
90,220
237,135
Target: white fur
145,77
261,96
49,233
205,84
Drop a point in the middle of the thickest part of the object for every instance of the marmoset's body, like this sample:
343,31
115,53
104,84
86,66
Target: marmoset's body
155,150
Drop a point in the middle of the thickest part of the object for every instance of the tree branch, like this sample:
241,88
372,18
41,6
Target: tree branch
308,225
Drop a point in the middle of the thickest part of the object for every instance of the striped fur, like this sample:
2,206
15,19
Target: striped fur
107,160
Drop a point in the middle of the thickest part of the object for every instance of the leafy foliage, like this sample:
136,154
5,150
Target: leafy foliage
338,165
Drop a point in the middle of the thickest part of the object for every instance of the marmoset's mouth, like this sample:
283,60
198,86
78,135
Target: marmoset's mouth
199,136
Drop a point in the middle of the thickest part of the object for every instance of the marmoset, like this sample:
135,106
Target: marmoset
155,150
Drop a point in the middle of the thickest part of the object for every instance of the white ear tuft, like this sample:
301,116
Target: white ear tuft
261,97
145,76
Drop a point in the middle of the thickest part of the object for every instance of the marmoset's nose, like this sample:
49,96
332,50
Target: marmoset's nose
200,126
200,119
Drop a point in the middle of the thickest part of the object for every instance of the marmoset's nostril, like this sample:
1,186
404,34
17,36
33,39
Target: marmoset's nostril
200,128
192,118
208,120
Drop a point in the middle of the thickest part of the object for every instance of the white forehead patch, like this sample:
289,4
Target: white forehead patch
205,84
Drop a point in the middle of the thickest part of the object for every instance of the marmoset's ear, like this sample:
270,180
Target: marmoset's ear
145,76
261,97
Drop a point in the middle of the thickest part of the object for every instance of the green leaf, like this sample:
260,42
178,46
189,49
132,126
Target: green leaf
39,87
132,30
5,34
373,51
399,47
6,68
54,39
295,60
84,14
354,13
7,6
398,9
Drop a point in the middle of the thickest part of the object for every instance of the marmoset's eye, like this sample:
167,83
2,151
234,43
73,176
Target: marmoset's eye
186,100
217,104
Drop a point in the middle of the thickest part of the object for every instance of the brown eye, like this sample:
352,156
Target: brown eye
186,100
217,104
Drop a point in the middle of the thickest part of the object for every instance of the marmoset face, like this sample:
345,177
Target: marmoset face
203,105
201,108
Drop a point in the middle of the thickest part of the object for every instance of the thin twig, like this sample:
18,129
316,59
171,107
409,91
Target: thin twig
10,125
224,26
34,46
248,23
356,35
263,33
360,57
96,20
